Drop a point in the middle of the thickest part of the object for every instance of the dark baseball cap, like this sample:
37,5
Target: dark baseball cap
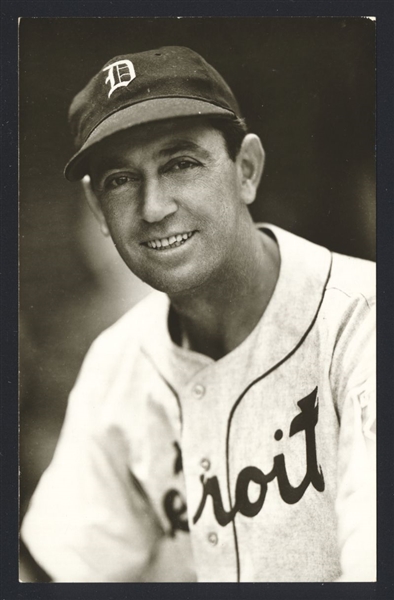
133,89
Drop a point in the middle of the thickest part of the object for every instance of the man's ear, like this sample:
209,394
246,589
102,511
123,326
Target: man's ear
95,205
250,160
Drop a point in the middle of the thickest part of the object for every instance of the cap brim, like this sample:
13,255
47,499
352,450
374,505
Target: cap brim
157,109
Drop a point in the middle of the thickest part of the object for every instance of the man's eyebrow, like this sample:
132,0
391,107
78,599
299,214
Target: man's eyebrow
182,145
104,164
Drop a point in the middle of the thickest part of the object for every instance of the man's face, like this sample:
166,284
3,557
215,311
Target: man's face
170,196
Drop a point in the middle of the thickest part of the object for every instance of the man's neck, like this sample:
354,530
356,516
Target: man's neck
216,319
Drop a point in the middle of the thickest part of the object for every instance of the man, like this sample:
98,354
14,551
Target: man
222,430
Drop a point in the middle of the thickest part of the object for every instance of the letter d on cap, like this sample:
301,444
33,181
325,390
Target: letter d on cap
120,74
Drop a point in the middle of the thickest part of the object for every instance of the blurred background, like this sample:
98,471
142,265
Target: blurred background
305,85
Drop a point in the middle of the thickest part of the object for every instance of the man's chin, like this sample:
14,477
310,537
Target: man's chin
177,286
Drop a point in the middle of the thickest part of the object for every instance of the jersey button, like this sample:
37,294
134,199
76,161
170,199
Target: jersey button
213,539
199,390
205,463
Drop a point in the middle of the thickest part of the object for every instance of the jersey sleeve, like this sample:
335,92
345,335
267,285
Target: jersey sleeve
88,521
355,383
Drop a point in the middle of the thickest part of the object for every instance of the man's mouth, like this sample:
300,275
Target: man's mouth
166,243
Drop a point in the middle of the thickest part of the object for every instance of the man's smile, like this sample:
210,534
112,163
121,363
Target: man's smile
172,241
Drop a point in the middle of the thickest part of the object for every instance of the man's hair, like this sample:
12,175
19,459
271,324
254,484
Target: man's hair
233,131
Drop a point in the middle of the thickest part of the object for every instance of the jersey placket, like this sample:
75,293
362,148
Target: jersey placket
204,458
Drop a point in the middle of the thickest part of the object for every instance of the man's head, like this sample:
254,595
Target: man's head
172,189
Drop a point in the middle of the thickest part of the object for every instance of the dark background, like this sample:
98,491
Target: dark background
305,85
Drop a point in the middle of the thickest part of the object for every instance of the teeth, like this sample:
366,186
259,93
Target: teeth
173,240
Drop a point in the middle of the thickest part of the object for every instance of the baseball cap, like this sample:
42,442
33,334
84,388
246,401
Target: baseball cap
133,89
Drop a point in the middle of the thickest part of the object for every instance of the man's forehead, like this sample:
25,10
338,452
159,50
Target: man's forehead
161,139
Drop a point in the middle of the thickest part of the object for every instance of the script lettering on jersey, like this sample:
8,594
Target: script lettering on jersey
120,73
305,421
173,502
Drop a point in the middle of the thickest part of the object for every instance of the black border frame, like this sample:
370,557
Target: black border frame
11,11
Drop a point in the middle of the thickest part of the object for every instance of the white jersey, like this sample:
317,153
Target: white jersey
257,467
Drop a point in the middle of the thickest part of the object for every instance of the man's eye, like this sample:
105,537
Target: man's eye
182,165
116,182
185,164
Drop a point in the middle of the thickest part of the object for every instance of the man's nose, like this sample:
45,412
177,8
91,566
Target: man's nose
157,201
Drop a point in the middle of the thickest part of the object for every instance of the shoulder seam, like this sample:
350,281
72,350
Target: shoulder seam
369,302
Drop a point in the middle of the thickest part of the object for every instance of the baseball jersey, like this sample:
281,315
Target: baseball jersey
260,466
